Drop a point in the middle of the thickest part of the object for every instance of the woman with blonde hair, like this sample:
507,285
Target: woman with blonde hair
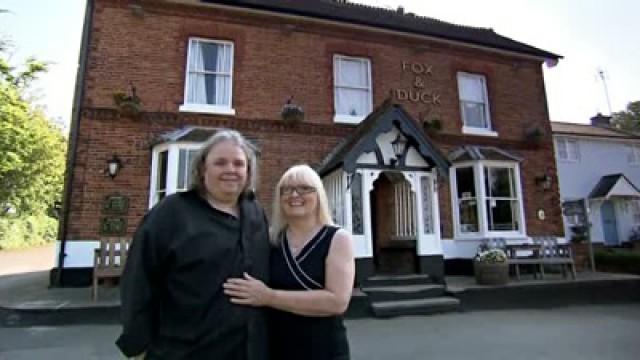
312,273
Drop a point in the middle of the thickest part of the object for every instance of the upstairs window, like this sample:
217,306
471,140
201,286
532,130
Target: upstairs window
634,154
209,78
567,149
474,104
352,88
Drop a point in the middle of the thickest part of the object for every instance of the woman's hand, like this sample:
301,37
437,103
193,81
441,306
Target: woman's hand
248,291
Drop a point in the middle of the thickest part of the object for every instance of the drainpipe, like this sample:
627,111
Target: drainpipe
78,100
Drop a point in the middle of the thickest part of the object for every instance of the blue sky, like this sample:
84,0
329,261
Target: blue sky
590,34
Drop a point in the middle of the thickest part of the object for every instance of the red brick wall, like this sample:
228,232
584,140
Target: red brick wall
274,59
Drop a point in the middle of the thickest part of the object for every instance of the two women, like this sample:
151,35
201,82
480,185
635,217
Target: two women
194,282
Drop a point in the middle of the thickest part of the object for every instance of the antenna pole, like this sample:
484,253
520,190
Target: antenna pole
606,90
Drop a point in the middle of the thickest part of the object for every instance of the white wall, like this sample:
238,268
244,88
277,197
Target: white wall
598,157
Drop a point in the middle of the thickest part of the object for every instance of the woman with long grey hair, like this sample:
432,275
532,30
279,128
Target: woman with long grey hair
173,305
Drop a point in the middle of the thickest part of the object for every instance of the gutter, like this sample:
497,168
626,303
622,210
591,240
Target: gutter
78,100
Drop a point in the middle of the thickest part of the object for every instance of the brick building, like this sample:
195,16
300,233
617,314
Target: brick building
399,109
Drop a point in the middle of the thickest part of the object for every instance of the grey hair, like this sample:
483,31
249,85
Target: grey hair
196,181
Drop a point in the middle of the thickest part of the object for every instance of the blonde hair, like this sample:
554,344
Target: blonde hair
305,175
196,182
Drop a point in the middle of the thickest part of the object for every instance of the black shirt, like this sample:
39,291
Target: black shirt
173,305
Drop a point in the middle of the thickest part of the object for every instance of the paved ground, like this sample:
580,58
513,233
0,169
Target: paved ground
27,260
580,333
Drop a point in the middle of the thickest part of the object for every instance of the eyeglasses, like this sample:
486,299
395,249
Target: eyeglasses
300,189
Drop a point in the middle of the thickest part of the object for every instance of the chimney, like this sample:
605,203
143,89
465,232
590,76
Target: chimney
601,120
400,10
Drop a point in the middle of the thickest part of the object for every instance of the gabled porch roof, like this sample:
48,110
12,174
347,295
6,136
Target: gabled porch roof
383,119
615,185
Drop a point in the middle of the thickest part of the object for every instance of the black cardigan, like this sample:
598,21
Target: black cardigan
173,305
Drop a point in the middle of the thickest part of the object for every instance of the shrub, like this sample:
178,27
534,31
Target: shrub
26,231
618,261
492,256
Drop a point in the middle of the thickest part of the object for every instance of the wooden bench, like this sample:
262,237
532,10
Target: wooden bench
532,256
555,254
109,260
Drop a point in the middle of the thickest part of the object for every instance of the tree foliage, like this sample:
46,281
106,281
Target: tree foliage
32,149
630,119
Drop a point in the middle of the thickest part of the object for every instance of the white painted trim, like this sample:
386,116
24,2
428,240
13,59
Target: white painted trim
345,118
478,131
478,168
487,111
204,108
173,153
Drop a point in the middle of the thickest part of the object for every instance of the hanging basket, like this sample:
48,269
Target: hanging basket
292,114
491,274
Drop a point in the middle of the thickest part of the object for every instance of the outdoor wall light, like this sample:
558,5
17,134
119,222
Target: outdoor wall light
113,166
398,145
544,180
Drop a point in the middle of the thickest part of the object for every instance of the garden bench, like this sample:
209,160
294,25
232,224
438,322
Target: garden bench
109,260
555,254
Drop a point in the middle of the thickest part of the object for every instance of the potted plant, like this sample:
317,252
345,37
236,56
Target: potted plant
535,135
579,246
490,267
432,126
292,113
128,104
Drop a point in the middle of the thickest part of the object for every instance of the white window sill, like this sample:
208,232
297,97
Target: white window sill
348,119
478,236
478,131
207,109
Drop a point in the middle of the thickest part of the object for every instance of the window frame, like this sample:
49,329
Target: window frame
473,130
173,153
634,154
206,108
344,118
563,141
481,200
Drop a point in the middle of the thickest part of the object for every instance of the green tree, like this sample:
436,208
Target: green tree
32,158
630,119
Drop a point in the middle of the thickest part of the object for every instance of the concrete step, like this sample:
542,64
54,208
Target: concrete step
397,280
415,306
404,292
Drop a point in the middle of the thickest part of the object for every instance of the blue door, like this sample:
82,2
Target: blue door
609,224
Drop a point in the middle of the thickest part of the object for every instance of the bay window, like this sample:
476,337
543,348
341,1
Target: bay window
487,199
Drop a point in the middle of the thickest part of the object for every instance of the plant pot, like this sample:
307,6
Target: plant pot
580,252
491,274
129,109
292,114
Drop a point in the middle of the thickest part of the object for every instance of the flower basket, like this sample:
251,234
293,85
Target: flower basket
292,113
491,267
129,106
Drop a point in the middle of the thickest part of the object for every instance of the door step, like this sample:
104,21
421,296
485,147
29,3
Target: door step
404,292
428,306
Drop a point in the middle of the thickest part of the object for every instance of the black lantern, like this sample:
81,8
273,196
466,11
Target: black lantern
113,166
544,180
398,145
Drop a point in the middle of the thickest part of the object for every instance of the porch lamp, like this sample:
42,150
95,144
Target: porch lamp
113,166
544,180
398,145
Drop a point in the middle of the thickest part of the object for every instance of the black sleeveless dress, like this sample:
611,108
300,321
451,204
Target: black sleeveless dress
296,337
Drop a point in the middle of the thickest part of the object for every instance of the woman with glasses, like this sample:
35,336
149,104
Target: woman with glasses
312,272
